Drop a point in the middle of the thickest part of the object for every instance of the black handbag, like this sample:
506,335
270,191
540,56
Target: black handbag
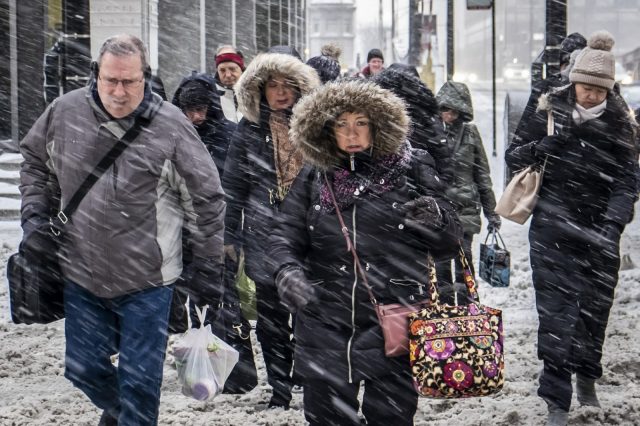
495,261
36,285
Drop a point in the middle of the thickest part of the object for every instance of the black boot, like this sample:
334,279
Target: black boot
557,416
586,390
107,420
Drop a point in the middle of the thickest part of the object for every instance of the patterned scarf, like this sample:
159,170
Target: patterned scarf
379,177
288,160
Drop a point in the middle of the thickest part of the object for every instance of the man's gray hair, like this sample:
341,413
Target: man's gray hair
123,45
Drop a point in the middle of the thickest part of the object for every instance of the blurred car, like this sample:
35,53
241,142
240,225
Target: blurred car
631,94
516,72
622,75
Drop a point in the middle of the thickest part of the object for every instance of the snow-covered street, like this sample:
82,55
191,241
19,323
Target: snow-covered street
33,390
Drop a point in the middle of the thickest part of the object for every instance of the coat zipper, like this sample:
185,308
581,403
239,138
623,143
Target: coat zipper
353,301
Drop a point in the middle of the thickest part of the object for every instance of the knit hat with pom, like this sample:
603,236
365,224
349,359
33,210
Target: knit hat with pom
327,65
596,64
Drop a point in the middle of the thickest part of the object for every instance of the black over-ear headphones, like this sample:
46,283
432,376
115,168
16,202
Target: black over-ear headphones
95,69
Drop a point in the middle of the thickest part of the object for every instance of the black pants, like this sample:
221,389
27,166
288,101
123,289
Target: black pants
447,288
387,400
574,283
274,333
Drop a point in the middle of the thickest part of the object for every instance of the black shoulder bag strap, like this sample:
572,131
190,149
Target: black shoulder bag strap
58,222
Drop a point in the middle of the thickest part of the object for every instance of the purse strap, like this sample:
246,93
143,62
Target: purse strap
350,247
61,219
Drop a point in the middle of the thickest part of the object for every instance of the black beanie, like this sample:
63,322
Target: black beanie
194,94
374,53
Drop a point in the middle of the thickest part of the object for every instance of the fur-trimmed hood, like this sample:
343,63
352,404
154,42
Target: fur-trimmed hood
311,128
249,88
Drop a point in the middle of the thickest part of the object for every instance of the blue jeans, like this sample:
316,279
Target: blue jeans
134,325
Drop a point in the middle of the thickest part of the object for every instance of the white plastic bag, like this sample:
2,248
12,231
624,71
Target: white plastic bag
203,360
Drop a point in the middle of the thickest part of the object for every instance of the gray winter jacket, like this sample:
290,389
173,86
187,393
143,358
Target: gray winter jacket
125,235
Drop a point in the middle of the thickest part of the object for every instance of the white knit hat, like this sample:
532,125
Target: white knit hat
596,64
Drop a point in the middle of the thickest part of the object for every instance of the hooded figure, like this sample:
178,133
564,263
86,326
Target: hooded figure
471,187
194,92
586,199
426,131
352,135
261,165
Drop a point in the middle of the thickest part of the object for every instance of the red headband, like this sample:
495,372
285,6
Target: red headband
230,57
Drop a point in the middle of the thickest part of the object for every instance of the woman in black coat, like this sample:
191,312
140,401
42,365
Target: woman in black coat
260,167
586,199
354,133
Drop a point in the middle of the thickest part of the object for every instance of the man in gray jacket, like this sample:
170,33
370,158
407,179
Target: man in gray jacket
121,250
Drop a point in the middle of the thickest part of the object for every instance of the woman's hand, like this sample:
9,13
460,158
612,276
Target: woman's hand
423,214
553,145
294,289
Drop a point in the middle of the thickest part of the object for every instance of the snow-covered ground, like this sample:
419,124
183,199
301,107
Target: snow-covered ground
33,390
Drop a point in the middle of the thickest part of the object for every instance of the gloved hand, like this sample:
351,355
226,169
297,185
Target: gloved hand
230,252
294,289
423,214
610,233
553,145
206,284
494,222
38,240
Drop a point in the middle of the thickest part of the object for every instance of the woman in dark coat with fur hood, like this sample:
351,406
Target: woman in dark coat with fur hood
586,199
354,134
260,168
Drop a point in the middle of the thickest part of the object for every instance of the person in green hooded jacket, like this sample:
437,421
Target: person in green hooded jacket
470,189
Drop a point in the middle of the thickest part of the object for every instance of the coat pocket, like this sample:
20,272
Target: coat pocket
409,290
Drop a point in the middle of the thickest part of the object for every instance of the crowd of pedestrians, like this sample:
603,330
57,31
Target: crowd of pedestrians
262,159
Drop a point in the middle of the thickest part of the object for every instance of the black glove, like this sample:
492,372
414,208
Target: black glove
423,214
553,145
494,222
294,289
206,284
610,233
38,240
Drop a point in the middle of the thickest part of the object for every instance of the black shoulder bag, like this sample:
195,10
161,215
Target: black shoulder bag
36,285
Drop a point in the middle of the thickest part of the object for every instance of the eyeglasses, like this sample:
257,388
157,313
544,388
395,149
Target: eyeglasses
126,84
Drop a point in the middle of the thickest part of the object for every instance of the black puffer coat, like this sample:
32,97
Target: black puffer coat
338,334
594,179
250,179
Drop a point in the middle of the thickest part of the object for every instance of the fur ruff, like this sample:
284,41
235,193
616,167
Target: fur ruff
313,116
250,86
